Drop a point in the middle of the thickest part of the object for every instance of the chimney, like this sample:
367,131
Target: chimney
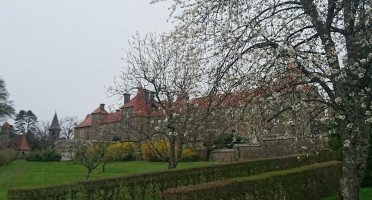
102,105
126,98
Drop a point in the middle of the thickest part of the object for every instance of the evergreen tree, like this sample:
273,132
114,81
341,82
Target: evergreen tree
26,123
6,106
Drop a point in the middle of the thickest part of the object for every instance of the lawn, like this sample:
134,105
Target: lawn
364,194
30,174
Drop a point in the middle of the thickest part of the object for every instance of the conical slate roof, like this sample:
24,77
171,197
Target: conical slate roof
55,124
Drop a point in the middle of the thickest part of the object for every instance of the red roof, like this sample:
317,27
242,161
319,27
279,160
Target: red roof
111,117
99,110
86,122
19,143
140,107
6,125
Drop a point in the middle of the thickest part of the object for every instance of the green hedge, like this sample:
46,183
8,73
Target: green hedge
150,185
306,183
7,156
44,156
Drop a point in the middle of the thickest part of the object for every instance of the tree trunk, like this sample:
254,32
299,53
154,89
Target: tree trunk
208,156
172,162
103,167
355,152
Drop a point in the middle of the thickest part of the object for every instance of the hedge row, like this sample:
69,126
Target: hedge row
150,185
307,183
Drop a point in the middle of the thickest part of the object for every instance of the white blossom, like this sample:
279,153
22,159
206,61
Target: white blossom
369,120
338,100
347,143
349,126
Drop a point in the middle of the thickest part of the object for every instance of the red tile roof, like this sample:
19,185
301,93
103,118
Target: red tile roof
6,125
111,117
86,122
99,110
140,107
19,143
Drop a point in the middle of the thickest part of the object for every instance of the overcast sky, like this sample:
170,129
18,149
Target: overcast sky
59,55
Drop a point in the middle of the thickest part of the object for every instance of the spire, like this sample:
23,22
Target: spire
55,123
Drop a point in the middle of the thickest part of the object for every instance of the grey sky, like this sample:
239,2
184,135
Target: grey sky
58,55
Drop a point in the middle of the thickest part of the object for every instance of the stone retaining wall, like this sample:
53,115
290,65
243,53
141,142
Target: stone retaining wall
269,148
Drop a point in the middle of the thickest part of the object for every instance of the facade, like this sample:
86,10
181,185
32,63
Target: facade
121,124
141,116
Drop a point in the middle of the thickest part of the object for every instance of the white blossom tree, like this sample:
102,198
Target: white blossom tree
327,42
174,76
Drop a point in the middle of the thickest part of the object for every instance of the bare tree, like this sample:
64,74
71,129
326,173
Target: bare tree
43,133
91,155
327,42
68,126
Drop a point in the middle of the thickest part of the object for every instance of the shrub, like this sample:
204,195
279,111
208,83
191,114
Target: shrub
45,156
7,156
188,154
155,151
159,151
307,183
150,185
120,151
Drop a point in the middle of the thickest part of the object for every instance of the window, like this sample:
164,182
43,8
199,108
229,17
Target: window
126,125
82,134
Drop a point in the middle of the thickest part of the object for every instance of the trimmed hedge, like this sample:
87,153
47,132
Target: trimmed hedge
44,156
150,185
306,183
7,156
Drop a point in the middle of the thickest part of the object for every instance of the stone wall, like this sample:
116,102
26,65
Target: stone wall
269,148
223,155
67,147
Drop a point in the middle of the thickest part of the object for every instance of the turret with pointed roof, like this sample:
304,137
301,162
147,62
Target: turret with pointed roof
54,130
5,133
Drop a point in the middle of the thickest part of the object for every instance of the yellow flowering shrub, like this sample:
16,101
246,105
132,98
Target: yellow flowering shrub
159,150
120,151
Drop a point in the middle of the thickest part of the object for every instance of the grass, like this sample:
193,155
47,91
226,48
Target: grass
364,194
20,174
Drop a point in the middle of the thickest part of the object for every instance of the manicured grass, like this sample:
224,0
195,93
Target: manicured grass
364,194
21,174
